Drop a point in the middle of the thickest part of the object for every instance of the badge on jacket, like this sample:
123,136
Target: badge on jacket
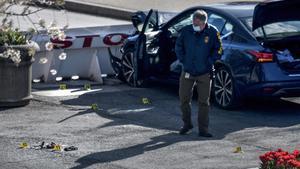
206,39
187,75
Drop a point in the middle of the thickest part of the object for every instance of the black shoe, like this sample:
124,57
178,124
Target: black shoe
201,134
71,148
185,129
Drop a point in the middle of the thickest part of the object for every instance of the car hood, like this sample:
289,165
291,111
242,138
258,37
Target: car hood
275,11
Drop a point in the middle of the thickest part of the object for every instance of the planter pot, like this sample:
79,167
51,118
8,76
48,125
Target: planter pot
15,80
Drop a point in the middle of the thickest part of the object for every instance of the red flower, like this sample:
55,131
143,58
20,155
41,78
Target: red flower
280,160
296,153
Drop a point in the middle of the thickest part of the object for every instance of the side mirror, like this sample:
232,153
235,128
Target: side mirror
229,29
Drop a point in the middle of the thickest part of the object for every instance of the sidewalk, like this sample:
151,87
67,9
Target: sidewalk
122,9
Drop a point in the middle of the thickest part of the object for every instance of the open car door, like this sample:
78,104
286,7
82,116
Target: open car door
146,47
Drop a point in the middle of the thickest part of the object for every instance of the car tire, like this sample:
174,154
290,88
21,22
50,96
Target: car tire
129,69
224,92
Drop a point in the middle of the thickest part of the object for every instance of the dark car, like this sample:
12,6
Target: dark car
261,42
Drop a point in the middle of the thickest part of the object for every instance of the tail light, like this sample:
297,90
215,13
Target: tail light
114,39
262,56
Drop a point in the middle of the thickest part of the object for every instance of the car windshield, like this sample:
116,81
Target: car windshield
163,17
275,30
182,23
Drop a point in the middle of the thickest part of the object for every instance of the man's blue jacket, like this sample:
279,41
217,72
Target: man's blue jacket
198,51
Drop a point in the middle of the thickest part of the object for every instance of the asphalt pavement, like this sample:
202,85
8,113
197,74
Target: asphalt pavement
125,133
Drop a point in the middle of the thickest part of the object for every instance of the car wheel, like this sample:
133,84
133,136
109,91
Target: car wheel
129,69
224,91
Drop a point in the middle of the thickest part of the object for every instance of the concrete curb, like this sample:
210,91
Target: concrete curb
96,9
71,84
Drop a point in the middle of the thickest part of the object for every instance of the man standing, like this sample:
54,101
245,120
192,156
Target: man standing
197,48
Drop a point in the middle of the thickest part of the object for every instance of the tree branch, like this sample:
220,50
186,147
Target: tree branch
22,14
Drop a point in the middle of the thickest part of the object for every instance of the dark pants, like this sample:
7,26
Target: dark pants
203,84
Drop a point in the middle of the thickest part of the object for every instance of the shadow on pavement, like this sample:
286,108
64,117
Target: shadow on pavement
4,108
125,107
124,153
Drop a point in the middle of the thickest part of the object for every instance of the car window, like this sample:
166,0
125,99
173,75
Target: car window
282,28
152,22
182,22
217,21
149,27
164,17
278,29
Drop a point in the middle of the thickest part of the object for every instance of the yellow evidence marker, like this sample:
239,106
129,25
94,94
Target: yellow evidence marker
94,107
62,86
146,101
238,150
23,145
